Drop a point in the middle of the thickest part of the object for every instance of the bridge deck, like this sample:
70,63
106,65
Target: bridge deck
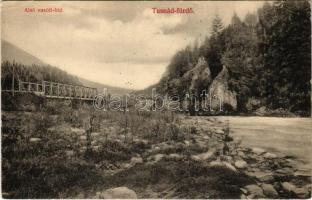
56,90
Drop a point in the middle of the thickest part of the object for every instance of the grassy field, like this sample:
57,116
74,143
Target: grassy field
61,152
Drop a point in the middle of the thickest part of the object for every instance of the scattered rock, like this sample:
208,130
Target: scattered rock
269,190
136,160
117,193
229,166
269,155
122,137
227,158
195,157
288,187
244,191
83,137
243,196
78,131
126,165
303,172
158,157
140,141
187,143
258,151
284,171
301,192
240,164
215,163
206,137
241,154
255,190
203,156
80,196
262,176
157,148
69,153
309,187
34,140
82,149
266,178
95,148
219,131
175,156
95,134
251,196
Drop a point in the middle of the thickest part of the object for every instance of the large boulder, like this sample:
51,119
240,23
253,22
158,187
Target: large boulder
136,160
255,191
203,156
219,92
117,193
269,191
240,164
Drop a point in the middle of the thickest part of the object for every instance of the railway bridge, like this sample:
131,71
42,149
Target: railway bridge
56,90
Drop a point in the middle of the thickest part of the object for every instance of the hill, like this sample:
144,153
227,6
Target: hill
247,68
110,89
12,53
31,68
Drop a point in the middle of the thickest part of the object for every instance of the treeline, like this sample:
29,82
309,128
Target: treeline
33,73
267,54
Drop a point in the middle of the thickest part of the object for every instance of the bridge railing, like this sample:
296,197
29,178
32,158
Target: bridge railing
58,90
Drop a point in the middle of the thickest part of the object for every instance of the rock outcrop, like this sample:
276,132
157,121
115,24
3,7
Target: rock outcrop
199,76
219,92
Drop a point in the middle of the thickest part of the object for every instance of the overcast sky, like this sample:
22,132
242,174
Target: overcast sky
117,43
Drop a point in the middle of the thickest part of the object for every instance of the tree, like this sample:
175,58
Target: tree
214,46
217,26
251,19
286,30
240,57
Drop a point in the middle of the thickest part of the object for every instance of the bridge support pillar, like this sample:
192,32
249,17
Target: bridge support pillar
51,89
58,89
43,87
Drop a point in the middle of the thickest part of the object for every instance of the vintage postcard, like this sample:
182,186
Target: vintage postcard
156,100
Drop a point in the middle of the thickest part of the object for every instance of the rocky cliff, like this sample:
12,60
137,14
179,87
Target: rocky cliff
220,91
199,76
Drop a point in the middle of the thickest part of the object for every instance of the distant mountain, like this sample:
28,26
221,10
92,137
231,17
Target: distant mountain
110,89
147,92
12,53
43,71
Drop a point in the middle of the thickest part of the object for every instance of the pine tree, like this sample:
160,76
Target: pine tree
217,26
287,55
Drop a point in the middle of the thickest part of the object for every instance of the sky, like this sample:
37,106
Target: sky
121,44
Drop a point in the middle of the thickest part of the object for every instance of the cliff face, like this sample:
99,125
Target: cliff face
220,91
199,79
199,76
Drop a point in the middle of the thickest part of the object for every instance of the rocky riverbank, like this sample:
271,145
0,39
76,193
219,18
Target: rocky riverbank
267,175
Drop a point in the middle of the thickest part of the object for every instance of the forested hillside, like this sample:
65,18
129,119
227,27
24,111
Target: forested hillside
266,57
33,73
27,67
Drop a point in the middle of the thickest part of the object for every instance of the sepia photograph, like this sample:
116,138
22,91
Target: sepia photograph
156,99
